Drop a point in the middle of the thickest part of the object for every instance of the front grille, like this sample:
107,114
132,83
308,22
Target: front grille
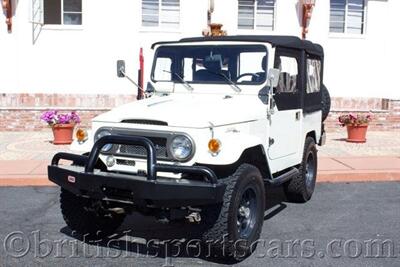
140,151
160,139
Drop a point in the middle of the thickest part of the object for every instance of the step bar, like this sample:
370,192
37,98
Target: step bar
287,176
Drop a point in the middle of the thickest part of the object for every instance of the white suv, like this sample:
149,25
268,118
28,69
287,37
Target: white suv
222,117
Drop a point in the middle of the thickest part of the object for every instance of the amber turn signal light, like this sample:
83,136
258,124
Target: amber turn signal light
81,135
214,145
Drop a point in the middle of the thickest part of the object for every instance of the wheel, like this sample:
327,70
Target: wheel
301,188
89,218
233,226
325,101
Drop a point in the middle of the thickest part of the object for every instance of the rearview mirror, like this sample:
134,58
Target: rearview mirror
273,77
121,68
213,62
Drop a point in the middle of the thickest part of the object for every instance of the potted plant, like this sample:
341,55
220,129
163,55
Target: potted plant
357,125
63,125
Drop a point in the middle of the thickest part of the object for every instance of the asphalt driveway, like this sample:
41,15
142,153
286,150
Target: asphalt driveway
354,224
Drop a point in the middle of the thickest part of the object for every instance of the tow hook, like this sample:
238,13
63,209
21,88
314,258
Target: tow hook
194,217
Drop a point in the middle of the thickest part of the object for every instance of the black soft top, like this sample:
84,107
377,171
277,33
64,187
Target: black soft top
274,40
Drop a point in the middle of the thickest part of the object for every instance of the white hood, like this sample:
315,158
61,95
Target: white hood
190,110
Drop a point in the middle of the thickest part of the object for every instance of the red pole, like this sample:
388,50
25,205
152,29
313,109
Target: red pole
306,12
141,74
8,10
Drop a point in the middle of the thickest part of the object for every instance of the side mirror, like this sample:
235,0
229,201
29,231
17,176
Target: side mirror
273,77
121,68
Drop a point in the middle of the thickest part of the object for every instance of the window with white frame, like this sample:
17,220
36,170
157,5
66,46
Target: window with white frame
161,13
256,14
347,16
62,12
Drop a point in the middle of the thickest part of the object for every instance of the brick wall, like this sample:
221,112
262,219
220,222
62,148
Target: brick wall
29,119
21,112
386,113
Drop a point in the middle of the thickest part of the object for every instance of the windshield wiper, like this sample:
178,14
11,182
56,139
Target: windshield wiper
187,85
234,85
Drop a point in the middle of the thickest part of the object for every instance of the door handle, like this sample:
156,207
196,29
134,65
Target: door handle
271,141
297,115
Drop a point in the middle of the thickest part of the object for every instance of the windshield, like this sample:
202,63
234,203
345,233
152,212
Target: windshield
240,64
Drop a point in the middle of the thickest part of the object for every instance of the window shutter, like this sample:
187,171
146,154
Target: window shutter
265,14
150,13
355,16
337,16
256,14
246,14
347,16
170,13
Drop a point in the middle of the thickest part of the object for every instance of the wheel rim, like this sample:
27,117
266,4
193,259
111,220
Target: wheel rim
246,213
310,171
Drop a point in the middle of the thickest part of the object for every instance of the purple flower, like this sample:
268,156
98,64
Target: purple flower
52,117
49,116
75,117
355,119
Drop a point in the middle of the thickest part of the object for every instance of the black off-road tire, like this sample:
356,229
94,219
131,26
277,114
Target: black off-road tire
325,102
220,234
301,188
86,219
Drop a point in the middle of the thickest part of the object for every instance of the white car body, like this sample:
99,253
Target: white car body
240,120
223,117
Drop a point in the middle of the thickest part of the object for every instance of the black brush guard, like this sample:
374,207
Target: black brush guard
81,178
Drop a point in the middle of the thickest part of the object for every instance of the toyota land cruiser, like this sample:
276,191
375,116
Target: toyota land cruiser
222,118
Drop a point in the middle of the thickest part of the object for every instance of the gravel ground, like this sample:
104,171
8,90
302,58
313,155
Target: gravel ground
378,144
28,146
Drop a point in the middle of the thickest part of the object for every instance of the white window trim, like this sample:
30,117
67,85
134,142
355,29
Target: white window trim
345,34
255,29
161,28
62,26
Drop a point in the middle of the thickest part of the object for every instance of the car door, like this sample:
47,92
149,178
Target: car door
286,120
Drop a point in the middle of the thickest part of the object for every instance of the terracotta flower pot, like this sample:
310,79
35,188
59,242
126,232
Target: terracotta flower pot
63,133
356,133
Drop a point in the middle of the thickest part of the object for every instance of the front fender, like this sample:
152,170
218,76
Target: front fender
232,147
84,147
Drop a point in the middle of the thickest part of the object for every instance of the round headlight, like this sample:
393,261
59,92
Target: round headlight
181,147
106,147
